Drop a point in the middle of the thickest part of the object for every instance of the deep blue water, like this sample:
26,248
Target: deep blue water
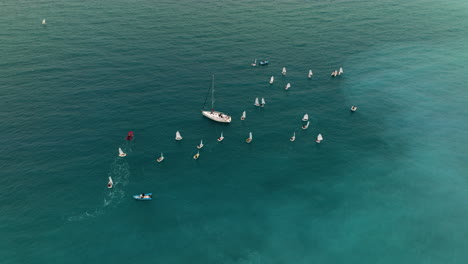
388,184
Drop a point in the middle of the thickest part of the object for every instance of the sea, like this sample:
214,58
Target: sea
388,183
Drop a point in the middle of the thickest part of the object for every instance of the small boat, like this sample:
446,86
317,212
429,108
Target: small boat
201,144
287,86
309,75
143,196
334,73
319,138
305,118
129,136
264,62
254,63
121,153
272,79
256,102
248,140
178,136
196,156
110,183
293,137
244,115
212,114
340,71
306,125
43,21
263,102
161,158
221,138
353,108
283,71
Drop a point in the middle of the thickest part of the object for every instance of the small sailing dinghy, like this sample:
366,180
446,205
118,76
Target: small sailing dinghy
200,145
196,156
287,86
319,138
306,125
221,138
272,79
263,102
264,62
160,158
334,73
283,71
178,136
121,153
256,102
340,71
309,75
254,63
353,108
143,196
248,140
43,21
244,115
110,183
305,118
212,114
293,137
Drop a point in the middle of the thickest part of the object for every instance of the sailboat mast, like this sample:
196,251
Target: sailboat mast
212,94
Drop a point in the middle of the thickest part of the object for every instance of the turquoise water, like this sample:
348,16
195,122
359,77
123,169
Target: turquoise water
387,185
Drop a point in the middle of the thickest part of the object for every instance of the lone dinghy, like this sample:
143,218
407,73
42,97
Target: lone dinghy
178,136
309,75
287,86
272,79
200,145
249,139
196,156
319,138
121,153
306,125
110,183
254,63
160,158
283,71
305,118
353,108
221,138
43,21
244,115
293,137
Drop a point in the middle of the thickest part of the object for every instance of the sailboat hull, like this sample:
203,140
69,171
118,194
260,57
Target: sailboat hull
217,116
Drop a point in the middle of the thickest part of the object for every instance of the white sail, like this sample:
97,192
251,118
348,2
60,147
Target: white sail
341,70
254,63
244,115
283,71
309,75
121,153
263,102
272,79
161,158
287,86
201,144
178,136
110,183
306,125
305,118
43,21
221,137
319,138
250,135
256,102
293,137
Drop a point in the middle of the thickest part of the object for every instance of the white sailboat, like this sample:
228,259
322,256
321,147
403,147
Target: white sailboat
306,125
263,102
283,71
272,79
178,136
305,118
244,115
221,138
196,156
353,108
309,75
319,138
200,145
287,86
256,102
121,153
334,73
110,183
161,158
293,137
340,71
254,63
248,140
43,21
215,115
